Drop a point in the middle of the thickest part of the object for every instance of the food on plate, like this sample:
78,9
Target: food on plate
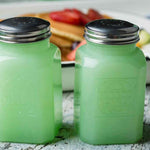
66,16
75,16
144,38
62,42
71,56
71,32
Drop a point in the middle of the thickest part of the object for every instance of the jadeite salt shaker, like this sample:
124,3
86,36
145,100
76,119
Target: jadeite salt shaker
30,82
110,76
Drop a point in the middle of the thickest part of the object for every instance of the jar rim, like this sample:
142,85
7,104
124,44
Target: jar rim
111,32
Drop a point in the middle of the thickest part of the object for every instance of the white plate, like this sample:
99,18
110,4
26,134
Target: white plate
11,10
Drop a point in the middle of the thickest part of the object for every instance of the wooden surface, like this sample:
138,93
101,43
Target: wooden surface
67,141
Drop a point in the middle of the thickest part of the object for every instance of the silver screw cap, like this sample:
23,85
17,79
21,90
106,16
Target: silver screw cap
111,32
24,30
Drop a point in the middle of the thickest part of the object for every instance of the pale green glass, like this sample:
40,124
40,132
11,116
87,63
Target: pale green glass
57,79
109,93
27,112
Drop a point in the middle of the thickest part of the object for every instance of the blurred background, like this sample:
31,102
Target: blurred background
136,6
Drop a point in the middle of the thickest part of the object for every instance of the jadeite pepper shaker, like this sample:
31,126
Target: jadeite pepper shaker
30,88
110,78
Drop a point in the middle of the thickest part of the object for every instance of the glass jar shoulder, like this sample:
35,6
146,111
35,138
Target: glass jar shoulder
88,57
140,58
55,51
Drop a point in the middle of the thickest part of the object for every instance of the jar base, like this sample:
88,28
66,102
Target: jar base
109,142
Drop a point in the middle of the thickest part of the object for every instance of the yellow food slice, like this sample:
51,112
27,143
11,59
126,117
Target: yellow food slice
60,41
72,32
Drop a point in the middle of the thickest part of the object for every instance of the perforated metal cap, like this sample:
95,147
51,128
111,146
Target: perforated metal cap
111,31
24,30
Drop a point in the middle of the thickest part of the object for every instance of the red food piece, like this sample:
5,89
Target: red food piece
72,54
93,14
84,19
75,16
66,17
68,10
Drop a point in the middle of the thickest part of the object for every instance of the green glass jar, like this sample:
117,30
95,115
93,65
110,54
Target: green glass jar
30,89
110,76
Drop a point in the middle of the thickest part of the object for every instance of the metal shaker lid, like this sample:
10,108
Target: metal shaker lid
111,31
24,30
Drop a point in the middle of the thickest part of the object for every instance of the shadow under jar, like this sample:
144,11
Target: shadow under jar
110,76
30,82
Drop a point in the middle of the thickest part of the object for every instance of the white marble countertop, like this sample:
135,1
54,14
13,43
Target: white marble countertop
67,141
